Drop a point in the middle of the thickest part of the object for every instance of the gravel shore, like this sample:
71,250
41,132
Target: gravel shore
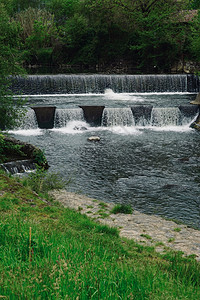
144,229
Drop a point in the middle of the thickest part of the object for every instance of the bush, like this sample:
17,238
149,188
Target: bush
40,159
122,208
42,181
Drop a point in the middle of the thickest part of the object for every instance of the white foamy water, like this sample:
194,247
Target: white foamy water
64,116
27,132
163,117
117,117
29,121
73,127
124,130
184,128
109,94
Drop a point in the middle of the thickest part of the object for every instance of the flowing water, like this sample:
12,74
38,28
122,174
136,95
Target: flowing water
148,156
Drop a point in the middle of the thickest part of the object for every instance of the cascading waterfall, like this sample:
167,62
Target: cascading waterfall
117,117
64,116
159,117
165,116
138,115
29,121
77,84
19,166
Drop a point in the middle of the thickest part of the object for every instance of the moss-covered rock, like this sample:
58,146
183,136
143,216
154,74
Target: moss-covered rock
12,149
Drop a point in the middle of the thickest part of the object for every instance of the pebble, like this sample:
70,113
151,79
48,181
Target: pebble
144,229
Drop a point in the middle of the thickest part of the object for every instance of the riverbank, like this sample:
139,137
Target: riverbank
144,229
48,251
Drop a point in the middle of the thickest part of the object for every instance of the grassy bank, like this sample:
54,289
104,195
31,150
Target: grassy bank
51,252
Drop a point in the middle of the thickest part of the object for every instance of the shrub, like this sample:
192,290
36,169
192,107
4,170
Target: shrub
122,208
42,181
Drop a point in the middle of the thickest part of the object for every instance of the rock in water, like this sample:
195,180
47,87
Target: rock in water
94,139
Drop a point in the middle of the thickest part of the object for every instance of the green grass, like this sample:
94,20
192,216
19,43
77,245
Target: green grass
69,256
177,229
147,236
171,240
122,209
103,205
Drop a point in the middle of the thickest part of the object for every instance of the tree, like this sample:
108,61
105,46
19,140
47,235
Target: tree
159,35
15,6
10,109
195,4
62,9
159,41
148,31
194,39
38,34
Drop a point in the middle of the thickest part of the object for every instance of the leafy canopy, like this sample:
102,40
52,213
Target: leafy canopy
10,109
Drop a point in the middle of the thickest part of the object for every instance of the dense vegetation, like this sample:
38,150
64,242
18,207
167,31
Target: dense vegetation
148,35
10,63
51,252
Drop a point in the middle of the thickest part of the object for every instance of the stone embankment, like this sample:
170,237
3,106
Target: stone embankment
144,229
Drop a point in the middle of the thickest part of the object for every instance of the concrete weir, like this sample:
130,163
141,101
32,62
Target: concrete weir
45,116
93,114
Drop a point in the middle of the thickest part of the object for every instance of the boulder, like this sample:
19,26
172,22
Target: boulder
94,139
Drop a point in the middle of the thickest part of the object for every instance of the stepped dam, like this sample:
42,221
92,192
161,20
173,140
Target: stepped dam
138,115
81,84
147,155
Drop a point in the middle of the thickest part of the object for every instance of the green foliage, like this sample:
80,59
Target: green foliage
2,143
39,158
150,35
122,209
9,44
143,32
62,9
8,149
78,39
38,35
42,181
159,39
14,6
194,39
178,229
11,110
194,4
147,236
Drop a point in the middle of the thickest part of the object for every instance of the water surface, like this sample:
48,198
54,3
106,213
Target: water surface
153,168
